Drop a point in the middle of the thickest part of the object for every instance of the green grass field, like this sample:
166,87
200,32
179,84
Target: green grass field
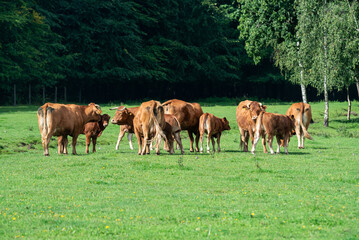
308,194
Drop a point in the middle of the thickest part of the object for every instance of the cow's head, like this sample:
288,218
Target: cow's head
105,119
226,124
255,108
94,111
122,115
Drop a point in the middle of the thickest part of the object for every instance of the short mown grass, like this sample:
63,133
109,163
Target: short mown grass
310,193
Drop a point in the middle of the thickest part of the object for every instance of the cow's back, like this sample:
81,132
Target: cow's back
187,114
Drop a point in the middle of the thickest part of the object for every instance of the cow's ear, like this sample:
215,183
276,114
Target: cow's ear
292,117
225,119
264,107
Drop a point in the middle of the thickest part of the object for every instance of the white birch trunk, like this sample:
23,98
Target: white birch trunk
349,105
326,99
357,84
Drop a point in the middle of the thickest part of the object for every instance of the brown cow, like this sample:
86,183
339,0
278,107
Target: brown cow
124,117
188,115
303,115
62,120
213,126
277,125
93,130
172,130
149,123
247,112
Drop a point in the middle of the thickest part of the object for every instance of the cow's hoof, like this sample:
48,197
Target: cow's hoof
182,152
46,154
157,153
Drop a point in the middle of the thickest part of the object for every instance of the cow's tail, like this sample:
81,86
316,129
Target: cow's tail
304,129
156,117
178,124
205,123
42,119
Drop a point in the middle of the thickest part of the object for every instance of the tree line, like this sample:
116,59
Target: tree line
115,50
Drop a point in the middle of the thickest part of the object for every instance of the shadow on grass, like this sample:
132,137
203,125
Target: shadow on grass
343,121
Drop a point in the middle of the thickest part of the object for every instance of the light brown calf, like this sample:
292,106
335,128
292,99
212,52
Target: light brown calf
213,126
124,117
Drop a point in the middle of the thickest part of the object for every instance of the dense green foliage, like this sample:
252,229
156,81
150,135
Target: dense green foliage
309,194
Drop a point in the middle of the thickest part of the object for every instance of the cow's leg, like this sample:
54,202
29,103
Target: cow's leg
218,142
201,138
264,143
170,144
213,144
286,141
270,143
158,143
197,141
190,140
120,136
279,142
244,140
139,141
177,136
65,141
251,135
297,132
94,140
145,144
303,138
151,144
254,144
129,137
88,142
60,146
209,136
74,141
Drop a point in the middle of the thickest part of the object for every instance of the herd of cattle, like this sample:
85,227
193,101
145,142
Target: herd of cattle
155,121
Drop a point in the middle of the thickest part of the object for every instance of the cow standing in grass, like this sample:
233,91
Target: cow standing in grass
63,120
124,117
188,115
149,123
247,113
93,130
213,126
303,116
278,125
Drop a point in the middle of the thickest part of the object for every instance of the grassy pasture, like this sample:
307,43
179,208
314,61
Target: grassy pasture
311,193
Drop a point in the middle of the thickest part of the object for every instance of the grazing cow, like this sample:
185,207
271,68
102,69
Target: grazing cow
247,113
172,130
188,115
277,125
62,120
93,130
303,116
213,126
124,117
149,123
